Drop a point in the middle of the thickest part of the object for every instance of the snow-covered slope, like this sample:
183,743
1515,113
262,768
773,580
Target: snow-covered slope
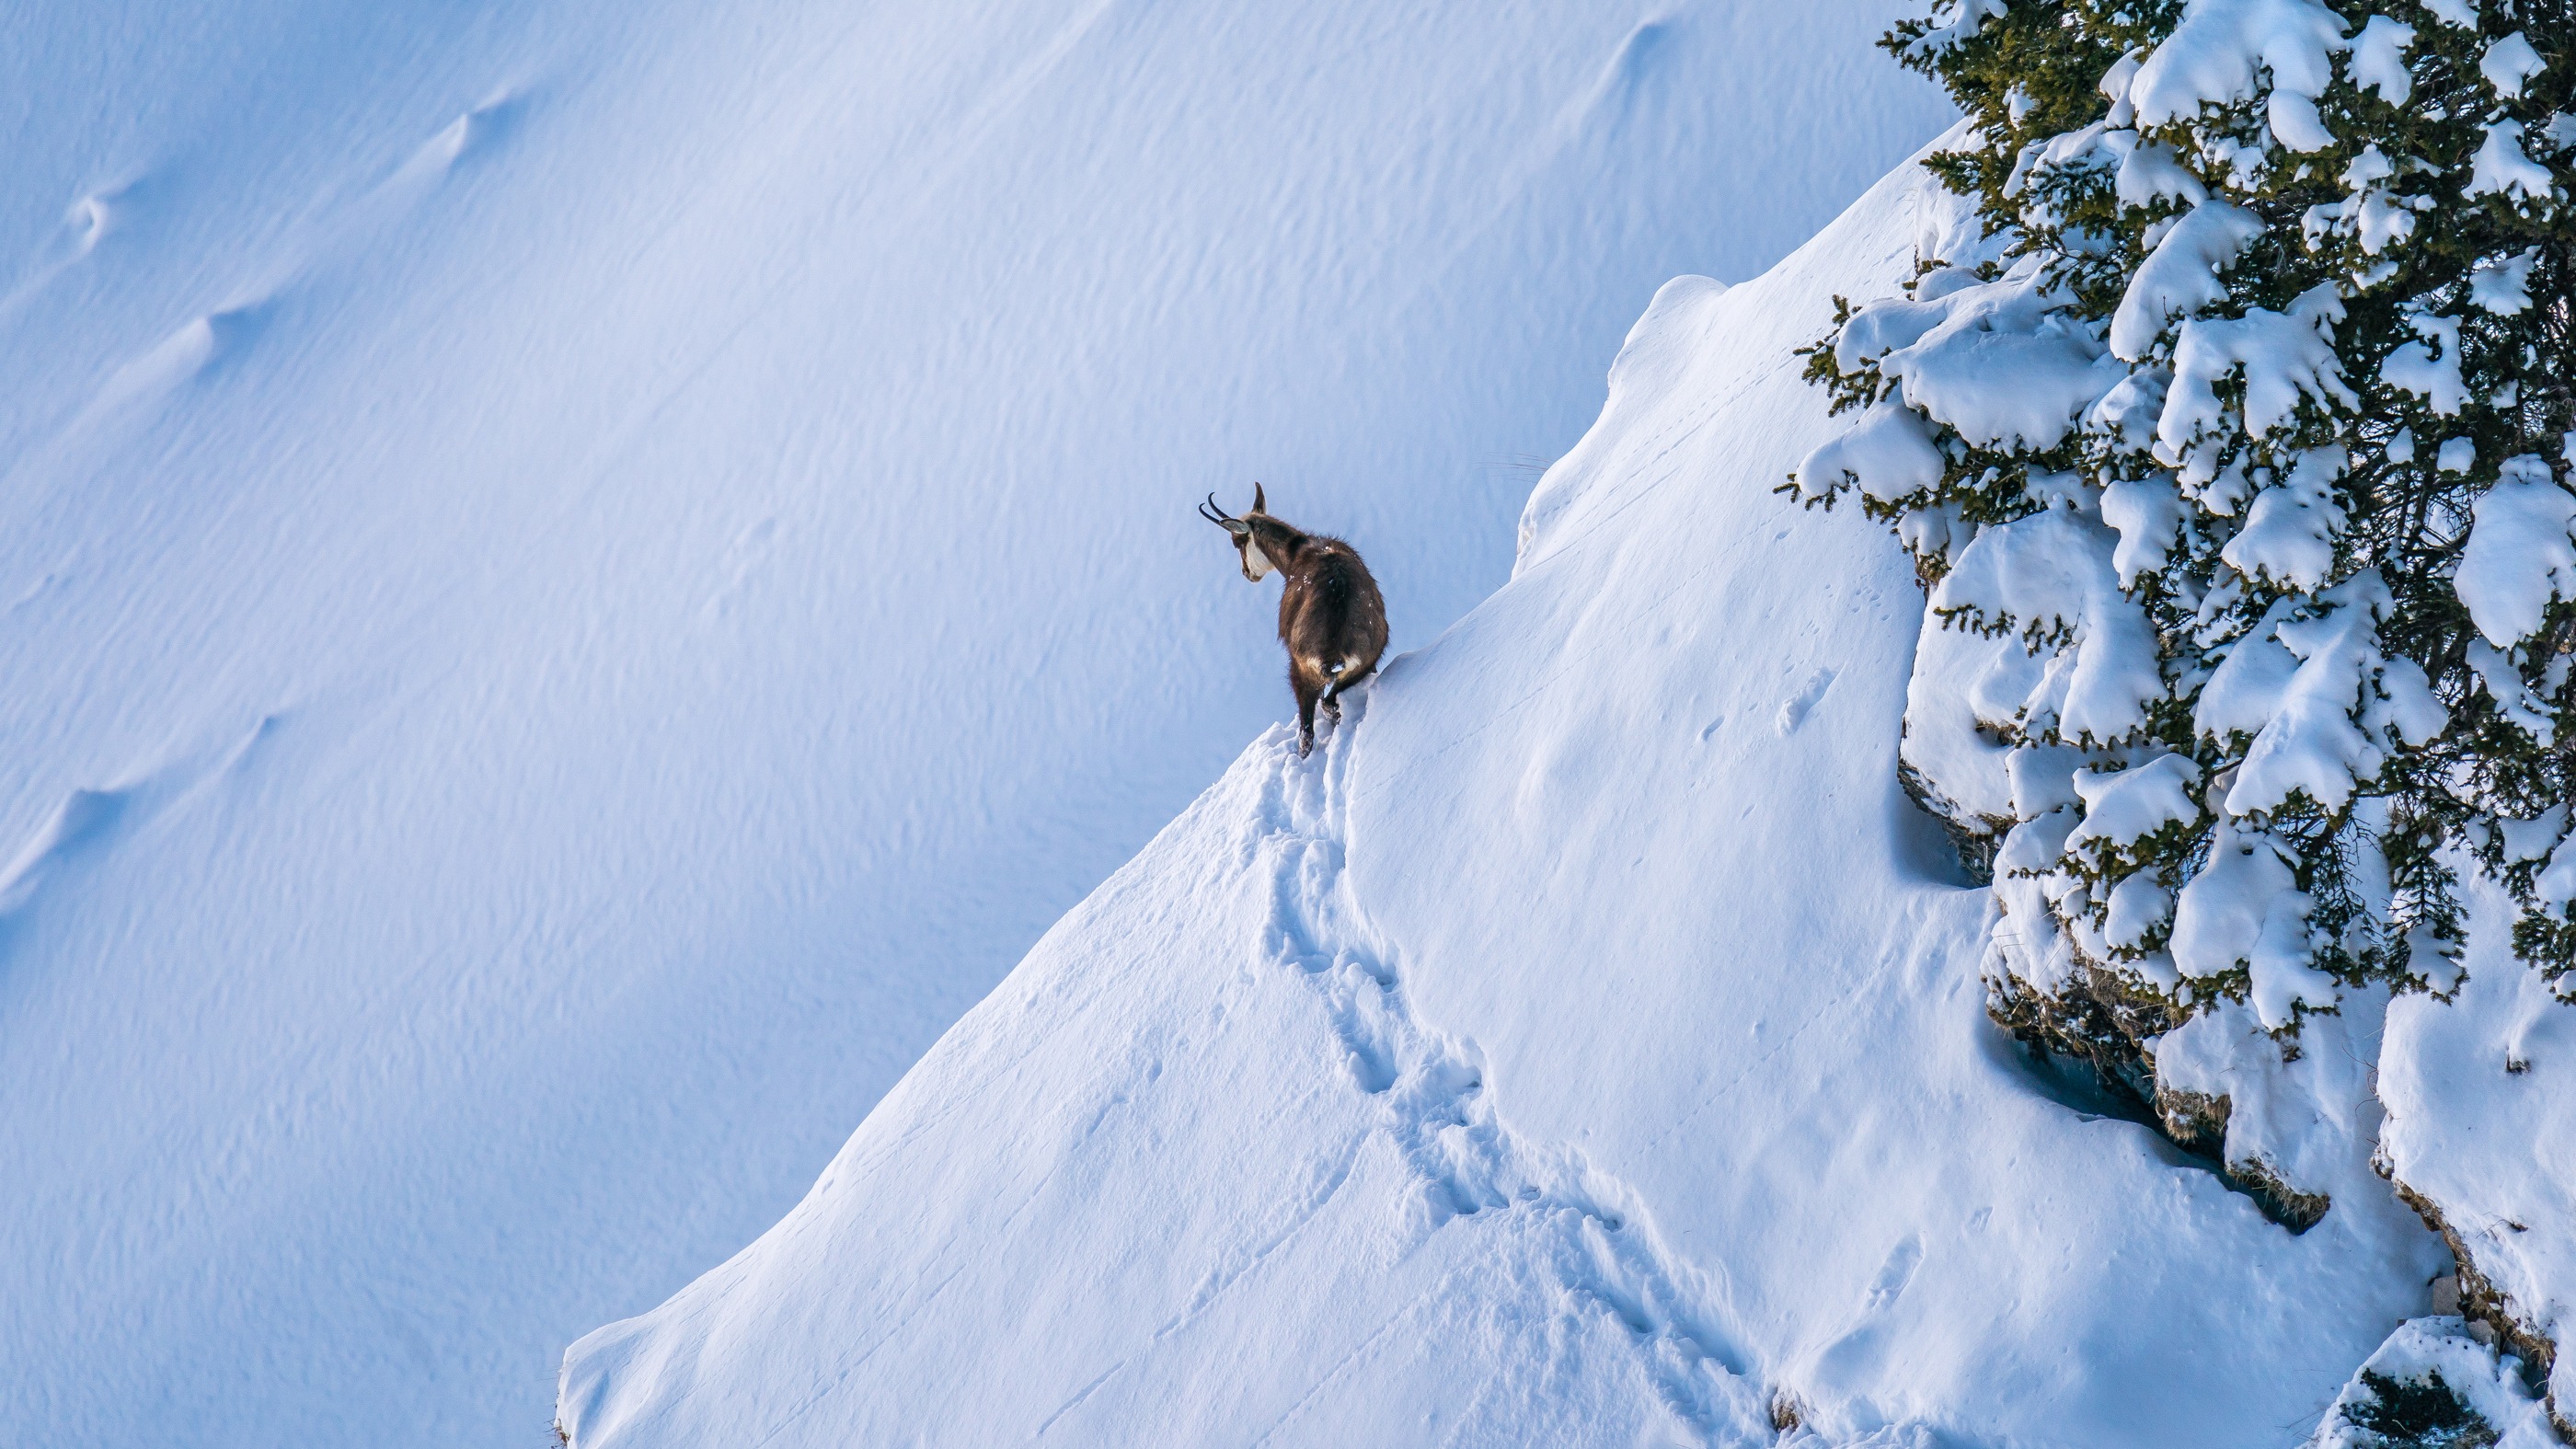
581,577
1586,1046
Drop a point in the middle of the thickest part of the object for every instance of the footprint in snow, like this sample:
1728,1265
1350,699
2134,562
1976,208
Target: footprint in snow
1895,1274
1794,713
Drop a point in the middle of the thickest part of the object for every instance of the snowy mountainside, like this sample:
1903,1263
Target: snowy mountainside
1587,1046
582,577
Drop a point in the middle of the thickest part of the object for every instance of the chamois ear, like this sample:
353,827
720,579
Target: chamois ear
1258,504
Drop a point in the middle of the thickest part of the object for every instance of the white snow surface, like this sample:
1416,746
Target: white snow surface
2482,1124
581,578
1586,1046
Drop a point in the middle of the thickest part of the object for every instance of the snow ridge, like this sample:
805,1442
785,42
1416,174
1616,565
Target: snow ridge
1589,1228
1289,1132
596,433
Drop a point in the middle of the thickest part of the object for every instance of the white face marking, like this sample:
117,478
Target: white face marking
1256,564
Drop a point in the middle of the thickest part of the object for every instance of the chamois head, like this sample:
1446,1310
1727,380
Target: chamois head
1256,561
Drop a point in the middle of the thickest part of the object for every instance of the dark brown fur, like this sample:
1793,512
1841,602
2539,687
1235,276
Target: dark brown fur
1329,614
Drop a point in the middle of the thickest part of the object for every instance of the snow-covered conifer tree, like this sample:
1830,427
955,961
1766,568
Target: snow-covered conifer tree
2244,413
2235,430
2250,416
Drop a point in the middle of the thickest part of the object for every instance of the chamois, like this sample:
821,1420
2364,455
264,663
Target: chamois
1330,615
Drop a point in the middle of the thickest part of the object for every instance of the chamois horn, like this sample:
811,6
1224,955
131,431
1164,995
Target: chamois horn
1216,514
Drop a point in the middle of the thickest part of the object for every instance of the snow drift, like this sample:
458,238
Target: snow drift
582,577
1586,1046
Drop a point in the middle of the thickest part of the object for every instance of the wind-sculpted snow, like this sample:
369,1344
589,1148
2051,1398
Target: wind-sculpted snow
1266,1204
1588,1046
579,578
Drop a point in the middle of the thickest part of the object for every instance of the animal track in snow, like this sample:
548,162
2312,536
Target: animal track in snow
1896,1273
1436,1111
1794,712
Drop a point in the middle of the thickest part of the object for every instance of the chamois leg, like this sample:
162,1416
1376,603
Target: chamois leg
1307,694
1332,700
